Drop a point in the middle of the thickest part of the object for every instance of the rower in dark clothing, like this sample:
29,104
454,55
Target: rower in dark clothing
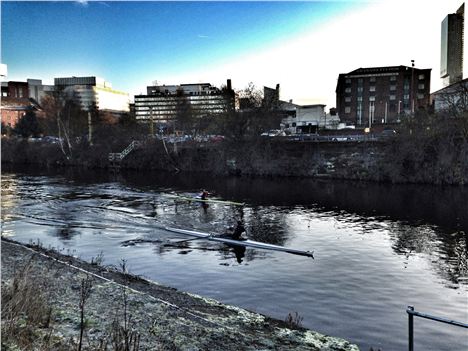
204,194
238,231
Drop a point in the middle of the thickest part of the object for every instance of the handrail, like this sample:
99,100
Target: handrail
411,312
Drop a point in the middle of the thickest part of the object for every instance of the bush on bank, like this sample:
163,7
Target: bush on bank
425,150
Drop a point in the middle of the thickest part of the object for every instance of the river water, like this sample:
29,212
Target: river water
378,248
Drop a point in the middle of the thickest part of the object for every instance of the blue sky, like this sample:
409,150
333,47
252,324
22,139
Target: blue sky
132,44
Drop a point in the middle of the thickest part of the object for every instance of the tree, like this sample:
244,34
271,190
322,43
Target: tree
28,125
184,114
256,114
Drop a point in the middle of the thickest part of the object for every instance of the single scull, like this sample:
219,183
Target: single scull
245,243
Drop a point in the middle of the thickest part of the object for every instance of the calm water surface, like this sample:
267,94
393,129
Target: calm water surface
377,248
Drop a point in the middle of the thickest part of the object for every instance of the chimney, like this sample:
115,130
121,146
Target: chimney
229,88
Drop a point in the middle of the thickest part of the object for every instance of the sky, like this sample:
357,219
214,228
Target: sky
303,46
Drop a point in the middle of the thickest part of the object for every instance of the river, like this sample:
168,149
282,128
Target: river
377,248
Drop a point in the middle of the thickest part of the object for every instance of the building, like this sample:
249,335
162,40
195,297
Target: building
452,47
308,119
13,108
381,95
453,97
90,91
163,103
32,88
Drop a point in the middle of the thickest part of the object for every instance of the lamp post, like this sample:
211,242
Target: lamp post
399,110
90,126
412,88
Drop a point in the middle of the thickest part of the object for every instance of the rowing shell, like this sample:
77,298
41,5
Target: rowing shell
187,198
246,243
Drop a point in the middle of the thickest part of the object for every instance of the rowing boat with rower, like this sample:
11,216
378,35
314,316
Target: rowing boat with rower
199,199
245,243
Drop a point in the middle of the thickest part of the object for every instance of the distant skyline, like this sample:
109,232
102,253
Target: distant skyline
303,46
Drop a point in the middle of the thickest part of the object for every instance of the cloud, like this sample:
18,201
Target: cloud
104,4
202,36
376,34
83,3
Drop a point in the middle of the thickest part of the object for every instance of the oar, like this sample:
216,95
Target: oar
197,238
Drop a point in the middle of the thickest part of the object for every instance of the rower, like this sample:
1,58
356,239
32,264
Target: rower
204,194
239,231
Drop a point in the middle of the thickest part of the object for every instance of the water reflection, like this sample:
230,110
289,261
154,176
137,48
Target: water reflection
378,247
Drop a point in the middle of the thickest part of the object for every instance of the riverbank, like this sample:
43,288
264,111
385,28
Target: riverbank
406,159
121,308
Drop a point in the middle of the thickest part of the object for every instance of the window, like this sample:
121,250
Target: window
360,81
371,98
406,97
392,78
372,79
347,99
392,87
347,109
421,76
421,86
392,97
359,98
348,81
359,89
420,96
372,88
347,90
294,124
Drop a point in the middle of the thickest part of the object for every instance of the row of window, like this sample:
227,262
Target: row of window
373,79
390,97
372,88
204,98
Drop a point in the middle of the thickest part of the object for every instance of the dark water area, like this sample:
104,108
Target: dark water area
378,247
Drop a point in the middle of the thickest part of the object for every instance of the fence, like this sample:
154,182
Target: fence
411,313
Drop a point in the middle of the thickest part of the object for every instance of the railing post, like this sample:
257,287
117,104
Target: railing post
410,328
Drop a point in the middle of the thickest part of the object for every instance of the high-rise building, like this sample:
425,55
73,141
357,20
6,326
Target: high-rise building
452,47
380,95
90,91
163,103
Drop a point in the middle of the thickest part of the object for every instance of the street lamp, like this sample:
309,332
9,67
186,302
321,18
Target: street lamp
399,110
412,88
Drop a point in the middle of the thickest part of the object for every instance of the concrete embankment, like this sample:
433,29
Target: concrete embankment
159,317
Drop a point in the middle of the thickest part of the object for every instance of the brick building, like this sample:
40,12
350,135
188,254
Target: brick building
381,95
13,108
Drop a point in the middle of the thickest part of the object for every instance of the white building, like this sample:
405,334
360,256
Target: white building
163,102
93,90
308,119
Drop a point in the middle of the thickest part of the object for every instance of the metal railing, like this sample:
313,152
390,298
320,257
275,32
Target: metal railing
411,313
119,156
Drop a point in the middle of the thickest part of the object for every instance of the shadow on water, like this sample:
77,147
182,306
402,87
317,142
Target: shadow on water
419,218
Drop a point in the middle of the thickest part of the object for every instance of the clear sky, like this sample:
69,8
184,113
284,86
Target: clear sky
303,46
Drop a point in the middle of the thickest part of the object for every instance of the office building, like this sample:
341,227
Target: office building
90,91
452,47
381,95
163,103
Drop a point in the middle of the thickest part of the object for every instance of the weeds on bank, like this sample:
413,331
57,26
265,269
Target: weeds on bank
27,318
25,310
294,320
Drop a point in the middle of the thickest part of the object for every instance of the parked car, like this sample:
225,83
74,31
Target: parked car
273,133
388,133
